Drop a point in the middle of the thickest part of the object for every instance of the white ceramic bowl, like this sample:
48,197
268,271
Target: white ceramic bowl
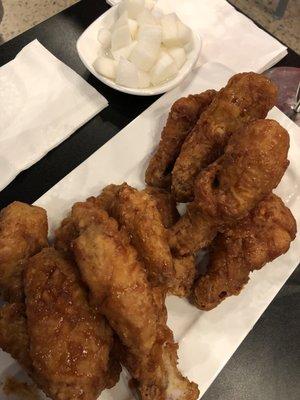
88,47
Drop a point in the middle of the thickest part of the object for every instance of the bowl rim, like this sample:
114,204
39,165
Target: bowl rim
151,91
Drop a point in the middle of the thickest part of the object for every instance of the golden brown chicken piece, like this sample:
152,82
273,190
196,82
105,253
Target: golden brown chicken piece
70,344
117,280
165,204
13,334
246,97
259,238
232,186
182,118
83,213
185,273
23,233
138,214
252,166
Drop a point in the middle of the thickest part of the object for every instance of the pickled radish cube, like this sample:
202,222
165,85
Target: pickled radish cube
178,55
151,35
146,18
133,27
120,37
124,51
127,74
144,80
184,33
106,67
144,55
122,20
169,30
133,7
104,37
164,69
149,4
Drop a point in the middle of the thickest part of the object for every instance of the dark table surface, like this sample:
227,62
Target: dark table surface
267,364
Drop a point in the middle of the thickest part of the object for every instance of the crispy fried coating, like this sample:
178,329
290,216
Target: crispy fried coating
185,273
23,233
69,343
81,215
138,214
252,166
13,334
193,232
111,268
165,204
246,97
182,118
259,238
232,186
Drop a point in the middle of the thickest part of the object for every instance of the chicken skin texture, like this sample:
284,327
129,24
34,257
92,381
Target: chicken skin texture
246,173
231,187
23,233
246,97
70,343
165,204
262,236
13,334
138,214
117,280
182,118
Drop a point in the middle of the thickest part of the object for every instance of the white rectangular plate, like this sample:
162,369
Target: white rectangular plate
206,339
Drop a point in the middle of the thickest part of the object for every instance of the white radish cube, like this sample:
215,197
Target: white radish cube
151,35
164,69
146,18
178,55
127,74
144,80
124,52
144,56
104,37
149,4
184,33
123,20
169,30
133,27
106,67
120,37
133,7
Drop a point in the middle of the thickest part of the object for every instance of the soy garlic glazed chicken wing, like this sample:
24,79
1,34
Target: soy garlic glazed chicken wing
70,343
252,165
23,233
182,118
262,236
246,97
117,280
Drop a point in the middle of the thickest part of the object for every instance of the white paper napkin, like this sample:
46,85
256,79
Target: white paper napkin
228,36
42,102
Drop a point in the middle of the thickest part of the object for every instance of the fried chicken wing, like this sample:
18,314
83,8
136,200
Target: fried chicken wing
23,233
116,278
138,214
252,166
246,97
69,343
165,204
182,118
259,238
232,186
